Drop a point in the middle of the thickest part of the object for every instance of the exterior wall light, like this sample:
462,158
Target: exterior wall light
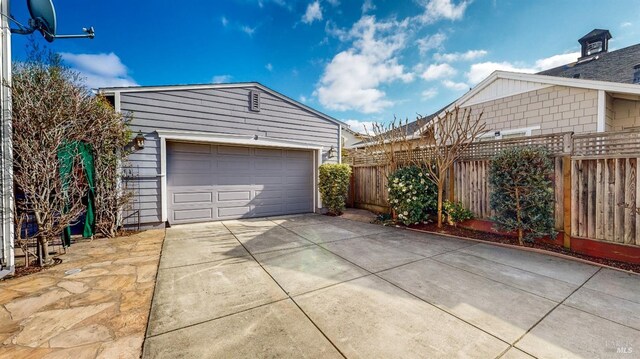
139,141
331,153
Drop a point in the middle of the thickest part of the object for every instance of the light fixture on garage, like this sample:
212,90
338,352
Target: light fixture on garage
139,140
331,153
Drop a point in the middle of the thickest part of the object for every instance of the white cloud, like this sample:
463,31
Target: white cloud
367,6
435,10
434,72
352,79
431,42
460,56
313,13
248,30
100,70
480,71
334,2
218,79
303,99
626,24
429,94
269,67
556,60
224,21
457,86
359,126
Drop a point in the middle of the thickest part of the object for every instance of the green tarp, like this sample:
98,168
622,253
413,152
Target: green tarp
71,156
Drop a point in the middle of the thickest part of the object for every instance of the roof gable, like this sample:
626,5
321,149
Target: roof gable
244,85
486,89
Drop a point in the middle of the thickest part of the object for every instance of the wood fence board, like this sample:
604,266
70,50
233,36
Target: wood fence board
596,182
619,201
599,200
591,200
630,201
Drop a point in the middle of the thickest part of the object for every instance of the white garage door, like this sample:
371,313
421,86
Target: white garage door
216,182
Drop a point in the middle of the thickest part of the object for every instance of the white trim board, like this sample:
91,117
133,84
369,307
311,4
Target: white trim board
234,140
616,87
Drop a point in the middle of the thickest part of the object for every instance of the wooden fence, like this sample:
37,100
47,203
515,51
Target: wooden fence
595,180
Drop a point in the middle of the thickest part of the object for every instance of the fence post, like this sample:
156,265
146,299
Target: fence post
566,187
566,179
451,182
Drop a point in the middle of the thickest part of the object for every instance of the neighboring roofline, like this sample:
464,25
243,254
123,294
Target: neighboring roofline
113,90
608,86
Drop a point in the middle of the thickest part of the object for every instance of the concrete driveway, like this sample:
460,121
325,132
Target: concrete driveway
316,286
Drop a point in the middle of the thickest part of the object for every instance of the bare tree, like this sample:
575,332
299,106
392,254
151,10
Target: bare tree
54,117
451,133
393,144
111,198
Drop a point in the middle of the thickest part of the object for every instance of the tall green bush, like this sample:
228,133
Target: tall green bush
334,186
412,195
522,194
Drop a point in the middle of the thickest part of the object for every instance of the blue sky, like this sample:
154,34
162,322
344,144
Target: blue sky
356,60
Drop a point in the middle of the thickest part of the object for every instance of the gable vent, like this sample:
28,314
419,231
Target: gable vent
254,101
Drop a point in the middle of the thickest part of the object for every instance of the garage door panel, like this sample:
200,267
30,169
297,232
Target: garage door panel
268,180
233,212
264,194
230,196
233,150
293,154
268,152
194,197
234,179
233,165
190,180
226,182
268,164
193,214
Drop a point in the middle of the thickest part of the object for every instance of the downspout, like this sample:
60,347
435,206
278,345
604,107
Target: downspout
7,260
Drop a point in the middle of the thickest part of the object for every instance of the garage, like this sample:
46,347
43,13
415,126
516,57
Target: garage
208,182
213,152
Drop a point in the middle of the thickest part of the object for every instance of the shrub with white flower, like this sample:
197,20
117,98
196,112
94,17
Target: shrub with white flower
411,196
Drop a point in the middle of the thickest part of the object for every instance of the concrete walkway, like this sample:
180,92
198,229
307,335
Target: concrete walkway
95,304
317,286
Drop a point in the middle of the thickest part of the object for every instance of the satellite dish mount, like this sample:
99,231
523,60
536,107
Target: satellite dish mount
43,19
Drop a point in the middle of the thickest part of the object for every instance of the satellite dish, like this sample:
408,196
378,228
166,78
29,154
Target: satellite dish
43,19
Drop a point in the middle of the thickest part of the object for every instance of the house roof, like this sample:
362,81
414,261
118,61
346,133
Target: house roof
613,66
113,90
595,33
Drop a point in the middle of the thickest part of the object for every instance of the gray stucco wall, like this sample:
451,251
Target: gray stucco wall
223,111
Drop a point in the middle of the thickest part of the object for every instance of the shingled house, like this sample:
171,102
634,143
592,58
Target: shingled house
598,92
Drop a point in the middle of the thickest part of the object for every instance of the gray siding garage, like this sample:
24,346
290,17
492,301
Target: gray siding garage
215,182
223,151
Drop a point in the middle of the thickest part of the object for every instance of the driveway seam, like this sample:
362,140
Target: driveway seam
551,311
153,296
287,294
411,294
216,318
205,262
509,265
493,280
601,317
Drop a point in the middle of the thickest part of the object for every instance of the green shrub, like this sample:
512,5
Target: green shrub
456,212
334,186
522,194
412,195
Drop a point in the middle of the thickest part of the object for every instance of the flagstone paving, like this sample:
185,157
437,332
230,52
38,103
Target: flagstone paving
99,312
